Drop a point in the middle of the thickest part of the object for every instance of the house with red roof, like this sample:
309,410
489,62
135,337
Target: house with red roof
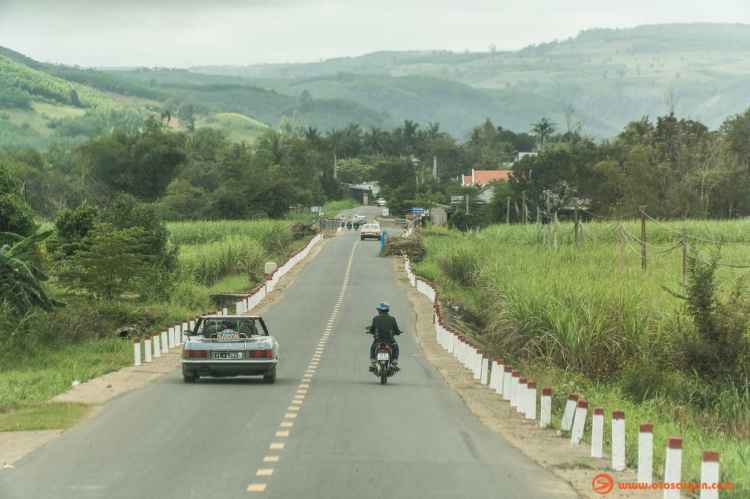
482,179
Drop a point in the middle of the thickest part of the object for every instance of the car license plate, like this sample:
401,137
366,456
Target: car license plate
227,355
383,356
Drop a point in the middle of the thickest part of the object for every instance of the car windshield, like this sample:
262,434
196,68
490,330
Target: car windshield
211,326
370,226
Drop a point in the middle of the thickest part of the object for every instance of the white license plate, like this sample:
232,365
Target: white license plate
383,356
227,355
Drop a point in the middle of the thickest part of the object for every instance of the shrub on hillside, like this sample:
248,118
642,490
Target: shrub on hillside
72,226
15,214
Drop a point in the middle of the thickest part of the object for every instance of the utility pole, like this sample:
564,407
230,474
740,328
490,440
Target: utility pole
434,167
335,167
643,237
537,225
555,230
575,216
507,213
467,203
525,211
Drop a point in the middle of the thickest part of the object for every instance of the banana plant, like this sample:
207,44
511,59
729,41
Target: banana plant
21,280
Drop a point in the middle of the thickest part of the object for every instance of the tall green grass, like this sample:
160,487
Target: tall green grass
273,235
233,255
577,322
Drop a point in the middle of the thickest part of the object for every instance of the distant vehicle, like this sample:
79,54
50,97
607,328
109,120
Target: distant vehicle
382,202
361,219
371,231
235,345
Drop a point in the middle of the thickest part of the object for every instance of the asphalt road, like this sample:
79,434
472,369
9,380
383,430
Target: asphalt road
348,436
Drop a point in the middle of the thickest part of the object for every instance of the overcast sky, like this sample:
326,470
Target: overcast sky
182,33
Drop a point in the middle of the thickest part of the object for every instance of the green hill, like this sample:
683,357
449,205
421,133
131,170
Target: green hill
610,76
37,109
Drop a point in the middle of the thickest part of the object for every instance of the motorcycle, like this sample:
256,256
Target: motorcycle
349,225
383,354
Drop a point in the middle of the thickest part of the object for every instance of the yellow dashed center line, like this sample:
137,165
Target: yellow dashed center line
306,379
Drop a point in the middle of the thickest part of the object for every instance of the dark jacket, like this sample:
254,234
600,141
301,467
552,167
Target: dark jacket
384,328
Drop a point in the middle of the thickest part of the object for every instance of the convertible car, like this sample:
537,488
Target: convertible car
237,345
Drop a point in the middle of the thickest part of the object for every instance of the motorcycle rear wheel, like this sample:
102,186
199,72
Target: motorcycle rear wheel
383,375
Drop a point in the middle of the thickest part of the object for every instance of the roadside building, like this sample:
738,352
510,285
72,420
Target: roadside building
483,178
441,213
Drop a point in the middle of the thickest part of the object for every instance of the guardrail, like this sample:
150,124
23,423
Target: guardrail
522,394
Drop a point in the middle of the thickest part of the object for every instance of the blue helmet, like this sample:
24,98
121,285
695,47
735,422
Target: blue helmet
383,306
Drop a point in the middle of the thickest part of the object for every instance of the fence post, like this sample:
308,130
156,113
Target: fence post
618,440
531,400
525,211
549,235
570,407
673,466
537,225
157,348
521,397
579,422
710,474
575,218
507,213
147,348
137,351
545,407
556,230
597,432
684,256
643,238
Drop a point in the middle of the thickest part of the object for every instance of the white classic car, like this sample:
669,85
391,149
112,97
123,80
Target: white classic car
235,345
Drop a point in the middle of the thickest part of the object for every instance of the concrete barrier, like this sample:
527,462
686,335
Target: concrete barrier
710,474
531,400
597,433
673,466
579,422
645,453
137,351
147,348
618,440
569,414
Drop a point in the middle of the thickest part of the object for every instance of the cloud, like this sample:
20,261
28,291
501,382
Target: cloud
182,33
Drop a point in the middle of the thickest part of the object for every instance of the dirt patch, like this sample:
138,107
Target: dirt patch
542,445
16,444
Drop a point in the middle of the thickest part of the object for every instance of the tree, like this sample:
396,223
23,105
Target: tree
140,163
185,114
20,279
72,226
111,262
15,214
543,131
275,143
74,98
375,140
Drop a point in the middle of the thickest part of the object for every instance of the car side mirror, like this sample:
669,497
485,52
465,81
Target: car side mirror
188,333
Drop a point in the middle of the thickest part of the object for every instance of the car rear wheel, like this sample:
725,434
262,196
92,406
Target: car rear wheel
191,378
270,376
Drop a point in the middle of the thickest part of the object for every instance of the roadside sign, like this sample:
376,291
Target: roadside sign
321,214
456,199
385,212
417,211
315,209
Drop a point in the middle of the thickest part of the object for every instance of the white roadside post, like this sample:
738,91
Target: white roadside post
710,474
157,348
531,400
147,348
673,466
225,312
507,381
185,328
137,351
493,373
514,377
500,376
451,337
579,422
597,433
485,366
238,307
170,338
645,452
570,410
478,354
521,397
163,336
618,440
545,407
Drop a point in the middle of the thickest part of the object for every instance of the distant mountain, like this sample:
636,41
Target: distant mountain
610,76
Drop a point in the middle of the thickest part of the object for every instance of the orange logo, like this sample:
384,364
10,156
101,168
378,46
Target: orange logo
603,484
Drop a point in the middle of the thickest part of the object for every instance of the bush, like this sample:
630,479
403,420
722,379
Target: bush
15,214
109,263
72,226
648,380
719,344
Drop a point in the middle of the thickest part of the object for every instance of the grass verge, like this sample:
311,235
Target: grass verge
50,416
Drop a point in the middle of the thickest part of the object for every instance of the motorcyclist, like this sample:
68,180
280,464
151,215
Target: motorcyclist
356,225
384,328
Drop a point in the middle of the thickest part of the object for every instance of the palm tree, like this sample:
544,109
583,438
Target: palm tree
433,130
275,143
335,139
375,140
410,133
311,134
543,131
